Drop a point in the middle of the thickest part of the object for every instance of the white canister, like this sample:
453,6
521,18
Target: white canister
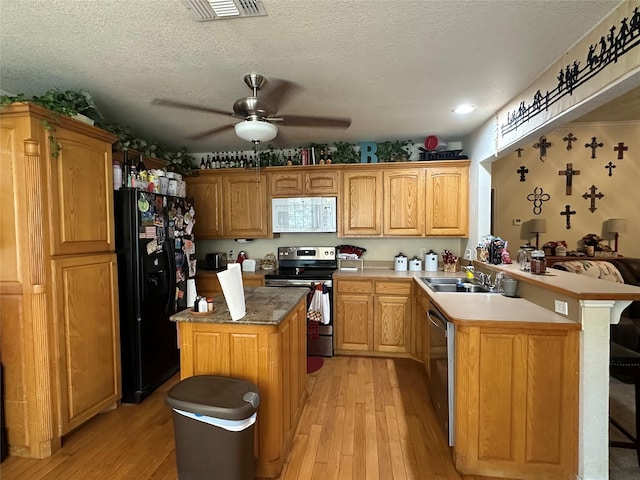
415,264
400,263
164,185
173,187
431,262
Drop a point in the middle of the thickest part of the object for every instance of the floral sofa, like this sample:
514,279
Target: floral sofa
621,270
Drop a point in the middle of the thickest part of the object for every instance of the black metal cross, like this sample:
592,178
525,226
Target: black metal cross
621,148
610,166
542,145
537,197
569,173
568,212
593,195
519,150
593,145
569,139
522,171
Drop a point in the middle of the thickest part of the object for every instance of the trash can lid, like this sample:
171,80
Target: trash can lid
214,396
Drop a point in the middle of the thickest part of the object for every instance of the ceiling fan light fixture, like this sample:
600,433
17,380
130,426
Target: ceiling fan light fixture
464,108
256,130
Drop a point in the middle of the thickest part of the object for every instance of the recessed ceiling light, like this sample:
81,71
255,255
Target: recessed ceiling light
464,108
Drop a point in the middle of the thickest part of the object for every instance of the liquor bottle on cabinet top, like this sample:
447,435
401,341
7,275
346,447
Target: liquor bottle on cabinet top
202,164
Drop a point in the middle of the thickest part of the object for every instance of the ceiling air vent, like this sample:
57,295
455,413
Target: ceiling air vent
205,10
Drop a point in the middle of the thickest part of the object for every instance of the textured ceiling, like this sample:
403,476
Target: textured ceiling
395,67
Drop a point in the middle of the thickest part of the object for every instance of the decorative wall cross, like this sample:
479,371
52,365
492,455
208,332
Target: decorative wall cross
519,150
568,212
620,149
569,173
593,195
542,145
593,145
610,166
522,171
569,139
537,197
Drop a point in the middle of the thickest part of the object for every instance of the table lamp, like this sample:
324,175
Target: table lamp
616,226
538,226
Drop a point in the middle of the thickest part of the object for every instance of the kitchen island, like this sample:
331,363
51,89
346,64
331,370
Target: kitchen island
266,347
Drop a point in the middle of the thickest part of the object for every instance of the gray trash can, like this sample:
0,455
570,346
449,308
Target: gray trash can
214,423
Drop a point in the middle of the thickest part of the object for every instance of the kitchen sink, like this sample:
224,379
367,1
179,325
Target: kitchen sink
449,285
443,280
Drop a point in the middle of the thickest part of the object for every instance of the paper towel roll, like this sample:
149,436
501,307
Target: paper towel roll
233,290
191,292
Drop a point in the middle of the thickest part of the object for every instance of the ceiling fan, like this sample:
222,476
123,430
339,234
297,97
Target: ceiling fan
259,114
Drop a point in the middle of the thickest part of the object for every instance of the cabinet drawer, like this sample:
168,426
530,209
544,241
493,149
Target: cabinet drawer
354,286
393,288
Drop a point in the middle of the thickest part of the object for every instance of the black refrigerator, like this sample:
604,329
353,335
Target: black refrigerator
156,259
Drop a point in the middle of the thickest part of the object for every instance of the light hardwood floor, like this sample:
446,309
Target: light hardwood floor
366,418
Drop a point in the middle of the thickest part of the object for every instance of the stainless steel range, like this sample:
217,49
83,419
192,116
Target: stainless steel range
309,266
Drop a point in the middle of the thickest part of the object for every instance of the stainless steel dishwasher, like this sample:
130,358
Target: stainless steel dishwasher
441,362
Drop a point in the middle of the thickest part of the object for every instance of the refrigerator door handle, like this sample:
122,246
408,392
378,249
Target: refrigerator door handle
171,271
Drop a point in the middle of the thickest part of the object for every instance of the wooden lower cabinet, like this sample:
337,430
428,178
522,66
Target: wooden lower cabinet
272,357
373,316
88,332
516,402
420,335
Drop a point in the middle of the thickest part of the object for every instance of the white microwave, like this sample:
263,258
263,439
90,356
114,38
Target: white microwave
303,214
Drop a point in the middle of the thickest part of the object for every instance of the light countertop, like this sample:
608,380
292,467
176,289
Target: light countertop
265,306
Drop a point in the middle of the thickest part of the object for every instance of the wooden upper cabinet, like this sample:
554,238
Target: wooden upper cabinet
447,201
207,197
246,209
361,203
286,184
81,194
323,181
404,205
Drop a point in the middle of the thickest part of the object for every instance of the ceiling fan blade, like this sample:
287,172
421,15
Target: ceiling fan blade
322,122
188,106
278,91
213,131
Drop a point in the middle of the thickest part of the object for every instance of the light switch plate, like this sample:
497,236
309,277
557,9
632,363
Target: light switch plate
561,307
517,222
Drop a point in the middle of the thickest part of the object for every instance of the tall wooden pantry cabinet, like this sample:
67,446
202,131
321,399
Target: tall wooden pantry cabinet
58,280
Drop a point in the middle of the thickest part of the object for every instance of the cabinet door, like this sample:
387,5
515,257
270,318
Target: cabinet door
404,202
516,396
286,184
447,200
207,284
206,191
87,330
361,204
391,315
354,322
81,195
321,183
246,213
